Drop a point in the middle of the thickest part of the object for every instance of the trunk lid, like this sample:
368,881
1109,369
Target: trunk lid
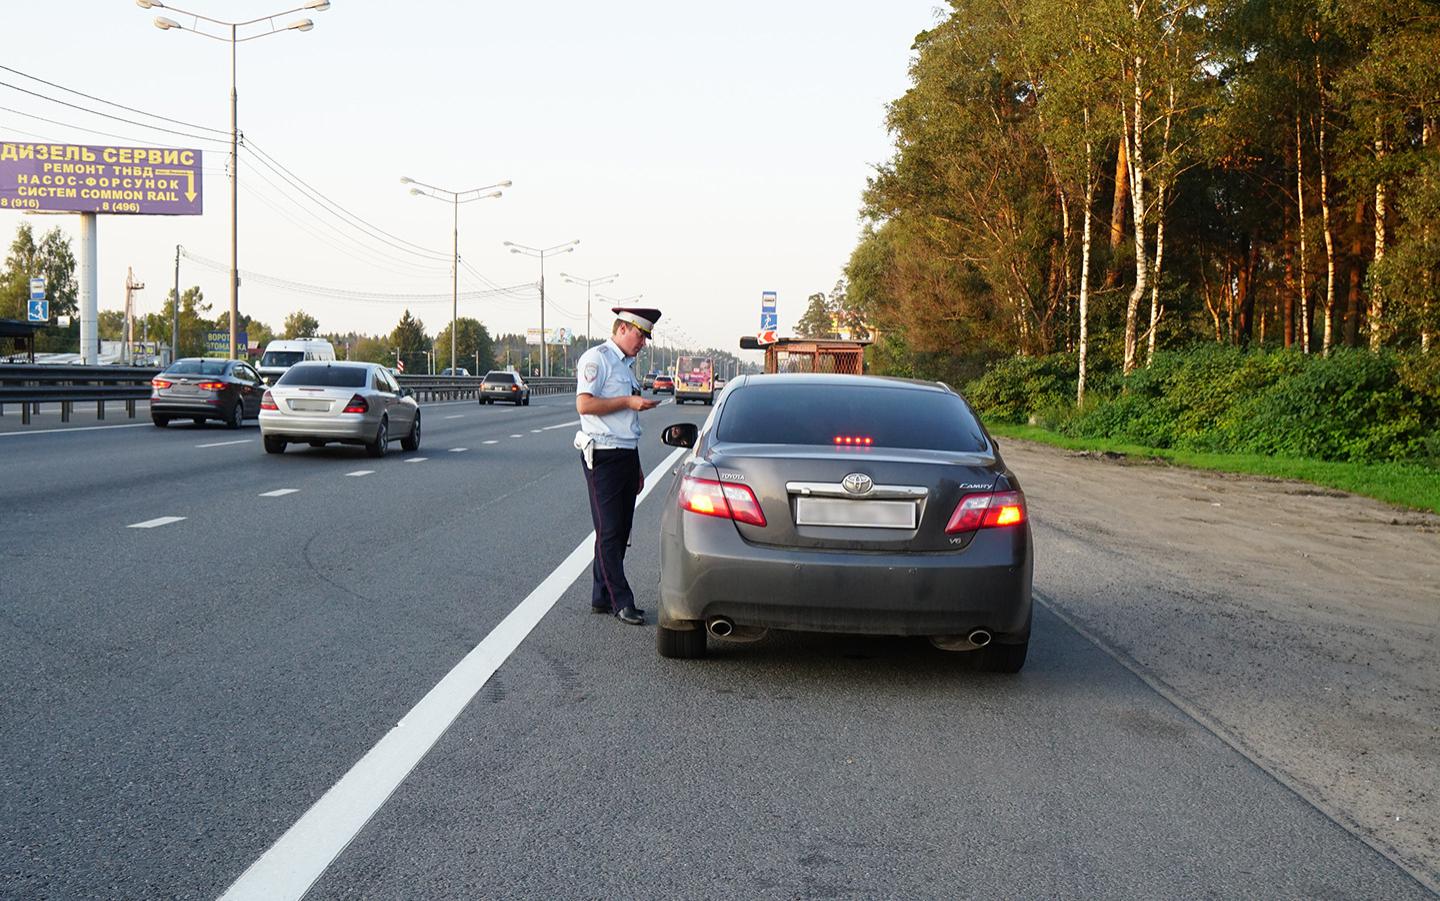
852,498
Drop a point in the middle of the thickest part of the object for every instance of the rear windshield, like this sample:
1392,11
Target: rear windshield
818,414
323,376
282,357
199,367
503,377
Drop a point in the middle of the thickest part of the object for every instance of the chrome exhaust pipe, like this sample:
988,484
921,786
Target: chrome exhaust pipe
720,626
979,638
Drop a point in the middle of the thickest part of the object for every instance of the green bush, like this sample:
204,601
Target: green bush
1350,406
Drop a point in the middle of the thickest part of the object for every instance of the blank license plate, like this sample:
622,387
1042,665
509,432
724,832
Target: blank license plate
827,511
310,406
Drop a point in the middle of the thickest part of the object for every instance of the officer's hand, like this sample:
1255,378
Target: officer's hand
640,403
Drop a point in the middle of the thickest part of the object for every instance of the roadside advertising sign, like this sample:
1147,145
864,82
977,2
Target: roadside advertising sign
532,336
76,178
217,341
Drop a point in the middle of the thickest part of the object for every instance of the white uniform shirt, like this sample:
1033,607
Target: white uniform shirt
605,371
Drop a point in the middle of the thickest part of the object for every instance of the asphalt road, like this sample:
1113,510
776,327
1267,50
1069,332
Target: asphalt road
176,698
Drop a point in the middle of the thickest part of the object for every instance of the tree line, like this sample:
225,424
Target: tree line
1113,177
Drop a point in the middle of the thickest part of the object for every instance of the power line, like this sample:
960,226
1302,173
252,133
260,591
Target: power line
94,112
130,109
92,131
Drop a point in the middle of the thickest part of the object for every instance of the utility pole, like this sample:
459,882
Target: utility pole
175,312
131,286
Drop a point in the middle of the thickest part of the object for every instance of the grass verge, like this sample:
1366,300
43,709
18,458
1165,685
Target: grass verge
1406,484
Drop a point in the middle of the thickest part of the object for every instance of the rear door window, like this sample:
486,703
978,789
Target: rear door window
882,415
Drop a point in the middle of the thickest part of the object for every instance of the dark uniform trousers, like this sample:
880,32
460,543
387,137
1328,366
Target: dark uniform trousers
614,484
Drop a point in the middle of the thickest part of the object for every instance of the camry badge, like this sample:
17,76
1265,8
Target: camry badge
857,483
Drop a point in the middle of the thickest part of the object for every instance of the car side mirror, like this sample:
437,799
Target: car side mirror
681,434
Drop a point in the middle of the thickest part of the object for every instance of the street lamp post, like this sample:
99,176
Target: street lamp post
542,252
455,198
589,283
234,39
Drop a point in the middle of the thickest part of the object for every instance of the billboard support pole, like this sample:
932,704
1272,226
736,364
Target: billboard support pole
89,300
175,312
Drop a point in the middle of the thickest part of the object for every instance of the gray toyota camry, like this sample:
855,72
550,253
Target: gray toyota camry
842,503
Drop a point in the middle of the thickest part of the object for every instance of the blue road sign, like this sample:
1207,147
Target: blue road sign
767,301
769,321
37,289
38,311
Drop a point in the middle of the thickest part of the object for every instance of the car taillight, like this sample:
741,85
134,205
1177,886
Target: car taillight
267,402
514,387
711,498
986,511
211,386
357,404
160,383
854,441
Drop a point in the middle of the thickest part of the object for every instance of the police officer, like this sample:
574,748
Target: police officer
609,400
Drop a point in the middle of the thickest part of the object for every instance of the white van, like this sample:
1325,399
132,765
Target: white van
281,355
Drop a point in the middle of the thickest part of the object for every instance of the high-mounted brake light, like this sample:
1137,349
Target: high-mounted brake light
211,386
711,498
267,402
160,383
986,511
854,441
357,404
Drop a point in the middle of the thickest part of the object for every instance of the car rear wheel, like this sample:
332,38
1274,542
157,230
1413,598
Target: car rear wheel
412,441
237,416
274,445
381,443
317,443
198,420
1004,658
160,421
680,644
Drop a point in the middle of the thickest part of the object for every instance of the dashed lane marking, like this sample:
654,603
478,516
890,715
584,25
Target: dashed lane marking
563,425
517,436
361,472
226,443
456,416
154,523
280,492
536,431
292,865
492,441
417,459
458,450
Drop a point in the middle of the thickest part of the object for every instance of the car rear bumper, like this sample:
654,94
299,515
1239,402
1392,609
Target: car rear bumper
708,570
174,406
352,427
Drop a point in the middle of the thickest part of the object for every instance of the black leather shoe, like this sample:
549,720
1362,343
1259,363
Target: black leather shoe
630,616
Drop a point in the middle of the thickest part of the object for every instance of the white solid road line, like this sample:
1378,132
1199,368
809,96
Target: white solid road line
82,428
226,443
361,472
152,523
306,850
563,425
280,492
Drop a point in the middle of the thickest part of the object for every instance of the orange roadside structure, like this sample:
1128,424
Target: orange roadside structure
811,355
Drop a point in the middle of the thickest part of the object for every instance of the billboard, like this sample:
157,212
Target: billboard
560,335
76,178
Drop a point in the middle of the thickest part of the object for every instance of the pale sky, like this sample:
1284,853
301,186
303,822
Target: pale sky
706,152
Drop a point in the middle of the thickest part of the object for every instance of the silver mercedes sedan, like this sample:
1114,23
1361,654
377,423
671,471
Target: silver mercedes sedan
844,503
346,403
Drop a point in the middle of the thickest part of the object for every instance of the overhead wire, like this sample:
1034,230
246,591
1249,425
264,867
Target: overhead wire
130,109
94,112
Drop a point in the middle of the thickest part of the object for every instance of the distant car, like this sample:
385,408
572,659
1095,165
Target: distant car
281,354
663,384
844,503
346,403
506,386
648,381
461,371
720,381
201,389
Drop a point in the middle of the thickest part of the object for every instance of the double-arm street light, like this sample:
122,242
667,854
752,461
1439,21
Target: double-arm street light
542,253
589,283
234,39
454,198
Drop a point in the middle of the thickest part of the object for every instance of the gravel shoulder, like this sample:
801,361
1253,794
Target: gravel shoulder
1302,621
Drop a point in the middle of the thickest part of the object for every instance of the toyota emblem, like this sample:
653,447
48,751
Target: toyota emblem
857,483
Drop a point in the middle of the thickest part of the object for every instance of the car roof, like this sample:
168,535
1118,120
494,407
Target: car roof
839,379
